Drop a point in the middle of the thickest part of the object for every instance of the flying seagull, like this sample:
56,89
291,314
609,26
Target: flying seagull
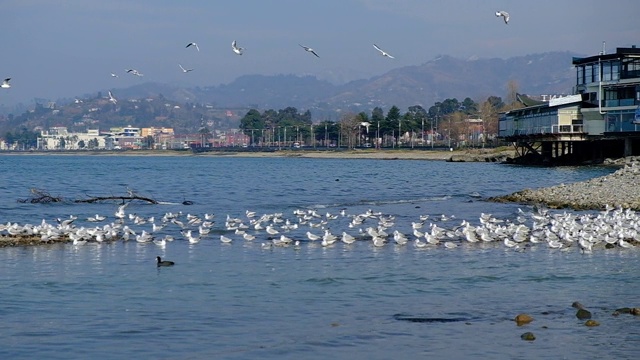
382,52
112,99
193,44
113,75
308,49
504,14
134,72
5,83
184,70
235,48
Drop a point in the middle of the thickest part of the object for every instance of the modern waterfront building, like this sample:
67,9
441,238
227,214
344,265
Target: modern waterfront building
601,119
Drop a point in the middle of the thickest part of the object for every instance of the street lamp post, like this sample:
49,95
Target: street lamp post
399,133
422,132
326,132
449,136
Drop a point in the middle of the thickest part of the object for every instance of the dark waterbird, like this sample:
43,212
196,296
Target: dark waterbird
164,262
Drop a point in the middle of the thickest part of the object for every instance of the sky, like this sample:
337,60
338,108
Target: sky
67,48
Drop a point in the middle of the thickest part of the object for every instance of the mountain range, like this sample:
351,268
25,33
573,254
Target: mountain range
436,80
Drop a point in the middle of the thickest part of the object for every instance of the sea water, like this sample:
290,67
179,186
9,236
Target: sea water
240,301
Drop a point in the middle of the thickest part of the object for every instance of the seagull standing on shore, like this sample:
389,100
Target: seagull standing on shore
236,49
382,52
308,49
194,45
184,70
505,16
5,83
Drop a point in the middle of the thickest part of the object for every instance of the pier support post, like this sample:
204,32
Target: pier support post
628,148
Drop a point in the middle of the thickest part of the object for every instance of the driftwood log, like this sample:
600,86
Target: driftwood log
39,196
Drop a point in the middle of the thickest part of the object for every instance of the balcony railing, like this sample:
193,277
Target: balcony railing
543,130
620,102
567,129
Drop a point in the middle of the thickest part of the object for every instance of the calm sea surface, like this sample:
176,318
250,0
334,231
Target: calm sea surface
239,301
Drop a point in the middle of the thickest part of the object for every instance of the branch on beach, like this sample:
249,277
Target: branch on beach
39,196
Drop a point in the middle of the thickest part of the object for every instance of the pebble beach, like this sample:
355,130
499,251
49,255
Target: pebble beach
619,189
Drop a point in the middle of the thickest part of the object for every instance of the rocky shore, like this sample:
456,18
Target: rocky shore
619,189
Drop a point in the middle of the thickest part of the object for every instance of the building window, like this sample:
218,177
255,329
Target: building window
606,71
580,75
615,70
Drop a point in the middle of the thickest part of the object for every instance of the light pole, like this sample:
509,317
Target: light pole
326,132
279,140
449,136
422,132
285,136
399,133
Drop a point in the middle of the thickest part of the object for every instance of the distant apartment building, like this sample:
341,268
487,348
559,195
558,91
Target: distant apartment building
59,138
127,137
162,137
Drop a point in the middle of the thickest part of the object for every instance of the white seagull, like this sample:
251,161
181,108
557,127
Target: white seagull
113,75
236,49
134,72
5,83
308,49
194,45
184,70
382,52
504,14
112,99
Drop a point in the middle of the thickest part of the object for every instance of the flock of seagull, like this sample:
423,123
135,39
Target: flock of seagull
538,227
240,50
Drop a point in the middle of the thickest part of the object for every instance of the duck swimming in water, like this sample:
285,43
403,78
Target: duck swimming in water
165,262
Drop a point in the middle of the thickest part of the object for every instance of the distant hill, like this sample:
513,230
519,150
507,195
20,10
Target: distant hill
441,78
184,108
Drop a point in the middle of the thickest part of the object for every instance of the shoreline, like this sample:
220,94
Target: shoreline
616,190
468,155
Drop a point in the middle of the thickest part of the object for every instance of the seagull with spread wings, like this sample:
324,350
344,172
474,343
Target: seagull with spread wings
382,52
134,72
194,45
184,70
308,49
505,16
236,49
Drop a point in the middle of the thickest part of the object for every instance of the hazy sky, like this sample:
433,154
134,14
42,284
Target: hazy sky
67,48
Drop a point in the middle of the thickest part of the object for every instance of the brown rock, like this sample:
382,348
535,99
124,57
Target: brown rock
592,323
583,314
523,319
528,336
635,311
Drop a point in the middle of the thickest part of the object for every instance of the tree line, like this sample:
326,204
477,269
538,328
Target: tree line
449,122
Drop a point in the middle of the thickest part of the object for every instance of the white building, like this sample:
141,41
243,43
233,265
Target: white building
59,138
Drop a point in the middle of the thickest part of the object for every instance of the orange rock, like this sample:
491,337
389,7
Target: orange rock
523,319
